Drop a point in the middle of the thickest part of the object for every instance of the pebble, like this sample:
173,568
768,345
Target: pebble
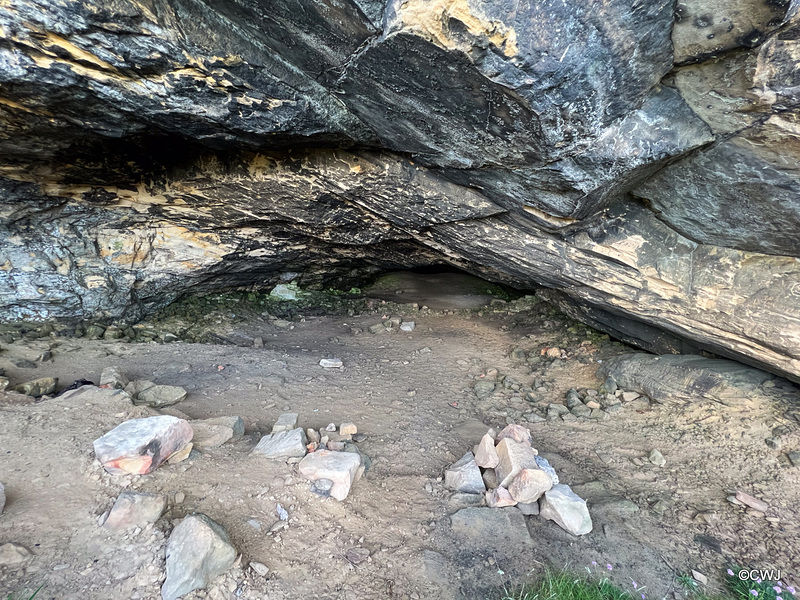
407,326
331,427
331,363
752,501
794,457
348,429
656,458
12,554
259,568
38,387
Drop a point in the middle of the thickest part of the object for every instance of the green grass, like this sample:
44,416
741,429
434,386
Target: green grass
568,586
24,596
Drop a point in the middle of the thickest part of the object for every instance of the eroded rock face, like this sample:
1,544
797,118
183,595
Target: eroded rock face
152,149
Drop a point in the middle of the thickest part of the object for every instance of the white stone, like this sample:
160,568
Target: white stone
198,551
135,509
568,510
139,446
498,498
286,422
407,326
348,429
464,476
514,456
339,467
529,485
485,454
12,554
331,363
112,377
283,444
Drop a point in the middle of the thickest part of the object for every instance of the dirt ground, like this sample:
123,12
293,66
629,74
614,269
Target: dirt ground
411,394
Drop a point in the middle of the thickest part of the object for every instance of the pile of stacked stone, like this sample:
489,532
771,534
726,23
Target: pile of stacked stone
392,325
505,470
327,457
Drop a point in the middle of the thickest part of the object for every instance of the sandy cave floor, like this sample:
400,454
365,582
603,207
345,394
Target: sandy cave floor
400,389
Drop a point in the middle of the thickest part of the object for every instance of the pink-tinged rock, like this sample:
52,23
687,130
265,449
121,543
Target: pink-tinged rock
485,454
529,485
518,433
135,509
514,456
339,467
568,510
498,498
139,446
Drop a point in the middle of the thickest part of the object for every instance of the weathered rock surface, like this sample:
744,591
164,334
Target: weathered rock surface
139,446
160,395
675,378
146,155
464,476
529,485
338,467
285,422
564,507
198,551
485,454
112,377
135,509
491,527
14,555
514,457
38,387
284,444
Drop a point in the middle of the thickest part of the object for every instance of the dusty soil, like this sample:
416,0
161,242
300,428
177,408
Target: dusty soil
411,394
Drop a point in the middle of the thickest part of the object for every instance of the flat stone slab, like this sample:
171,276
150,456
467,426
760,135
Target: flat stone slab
139,446
286,422
283,444
210,435
338,467
235,423
198,551
565,508
502,528
464,476
135,509
160,395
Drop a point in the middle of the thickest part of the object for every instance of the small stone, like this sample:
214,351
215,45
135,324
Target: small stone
598,414
609,386
356,555
286,422
408,326
12,554
794,457
629,396
593,404
529,485
4,383
377,328
553,353
460,500
331,363
209,436
518,433
755,513
258,342
259,568
339,467
38,387
322,487
348,429
565,508
752,502
485,454
359,437
336,446
518,354
656,458
528,509
283,444
545,466
135,509
198,551
313,435
160,395
573,399
499,497
179,497
235,423
773,442
483,389
139,446
514,456
181,454
464,476
581,410
699,577
112,377
490,479
331,427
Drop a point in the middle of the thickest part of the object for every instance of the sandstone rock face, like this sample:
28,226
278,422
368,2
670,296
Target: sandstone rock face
637,159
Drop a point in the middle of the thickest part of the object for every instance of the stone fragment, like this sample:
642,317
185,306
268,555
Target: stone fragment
656,458
322,487
461,500
331,427
259,568
337,446
181,454
139,446
4,382
160,395
564,507
528,509
198,551
112,377
483,389
407,326
598,414
356,555
209,435
559,409
282,444
331,363
629,396
581,410
135,509
137,386
12,555
529,485
699,577
518,433
313,435
490,479
573,399
348,429
339,467
514,456
593,404
286,422
38,387
235,423
258,342
752,502
499,497
464,476
794,457
377,328
491,527
485,454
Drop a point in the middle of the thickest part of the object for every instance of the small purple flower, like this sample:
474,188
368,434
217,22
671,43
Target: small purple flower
594,562
758,580
643,597
754,592
791,590
730,572
777,589
778,598
609,567
635,585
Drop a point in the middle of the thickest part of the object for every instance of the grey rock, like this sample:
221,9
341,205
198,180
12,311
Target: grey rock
160,395
339,467
464,476
286,422
794,457
236,424
356,555
259,568
502,528
14,555
656,458
283,444
210,435
135,509
38,387
545,466
113,377
484,389
564,507
331,363
581,410
198,551
531,509
407,326
461,500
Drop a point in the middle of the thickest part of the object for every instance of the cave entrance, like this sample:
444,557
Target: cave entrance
440,287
